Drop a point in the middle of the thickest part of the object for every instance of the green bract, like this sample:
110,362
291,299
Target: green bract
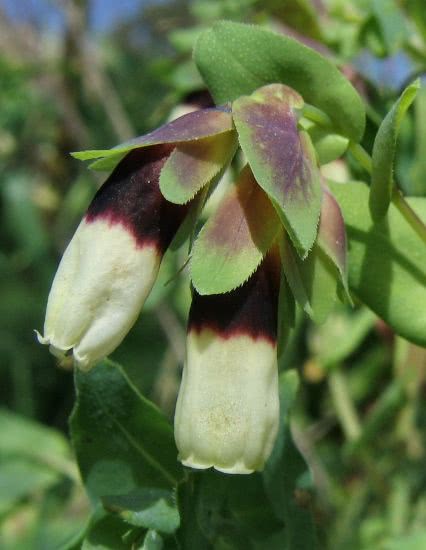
282,158
234,240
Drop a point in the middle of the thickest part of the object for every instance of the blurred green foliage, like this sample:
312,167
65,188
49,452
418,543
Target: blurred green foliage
360,419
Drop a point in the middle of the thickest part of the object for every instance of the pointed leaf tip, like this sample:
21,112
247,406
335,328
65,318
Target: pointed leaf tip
194,164
235,238
283,159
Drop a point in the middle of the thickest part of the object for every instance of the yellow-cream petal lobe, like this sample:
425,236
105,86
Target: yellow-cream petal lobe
227,412
98,291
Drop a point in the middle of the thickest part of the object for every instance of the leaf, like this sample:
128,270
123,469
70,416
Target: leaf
328,146
236,59
149,508
106,534
384,153
31,440
286,313
391,22
122,441
341,335
232,509
192,126
152,541
313,280
387,261
194,164
235,238
282,159
332,235
21,478
283,473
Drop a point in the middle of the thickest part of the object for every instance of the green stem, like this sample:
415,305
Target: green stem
410,216
345,408
361,156
316,115
398,200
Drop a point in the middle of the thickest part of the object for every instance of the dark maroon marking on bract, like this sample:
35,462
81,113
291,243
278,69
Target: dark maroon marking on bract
131,197
250,310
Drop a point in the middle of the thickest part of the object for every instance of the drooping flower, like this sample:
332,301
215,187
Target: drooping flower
227,411
111,263
276,236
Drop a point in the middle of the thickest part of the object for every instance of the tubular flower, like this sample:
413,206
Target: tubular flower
111,263
276,236
227,411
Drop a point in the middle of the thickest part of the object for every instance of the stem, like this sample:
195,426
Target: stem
316,115
410,216
361,156
345,408
398,200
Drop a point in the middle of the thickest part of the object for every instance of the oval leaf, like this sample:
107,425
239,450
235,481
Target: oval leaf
194,164
121,440
384,152
387,261
282,158
235,59
235,238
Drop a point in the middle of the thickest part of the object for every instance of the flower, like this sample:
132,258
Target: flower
227,412
111,263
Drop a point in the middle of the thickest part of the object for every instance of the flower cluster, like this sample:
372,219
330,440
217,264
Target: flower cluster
275,225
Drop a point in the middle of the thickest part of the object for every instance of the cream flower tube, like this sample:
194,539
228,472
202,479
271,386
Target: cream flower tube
227,411
111,263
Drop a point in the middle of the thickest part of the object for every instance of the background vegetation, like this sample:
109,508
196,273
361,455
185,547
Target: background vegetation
85,74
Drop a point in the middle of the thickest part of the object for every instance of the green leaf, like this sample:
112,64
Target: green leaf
192,126
283,473
286,313
152,541
282,159
227,511
106,534
384,153
24,436
122,441
328,146
194,164
387,261
341,335
235,238
21,478
236,59
313,280
391,22
149,508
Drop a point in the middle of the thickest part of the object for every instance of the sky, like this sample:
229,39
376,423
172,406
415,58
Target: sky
103,13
